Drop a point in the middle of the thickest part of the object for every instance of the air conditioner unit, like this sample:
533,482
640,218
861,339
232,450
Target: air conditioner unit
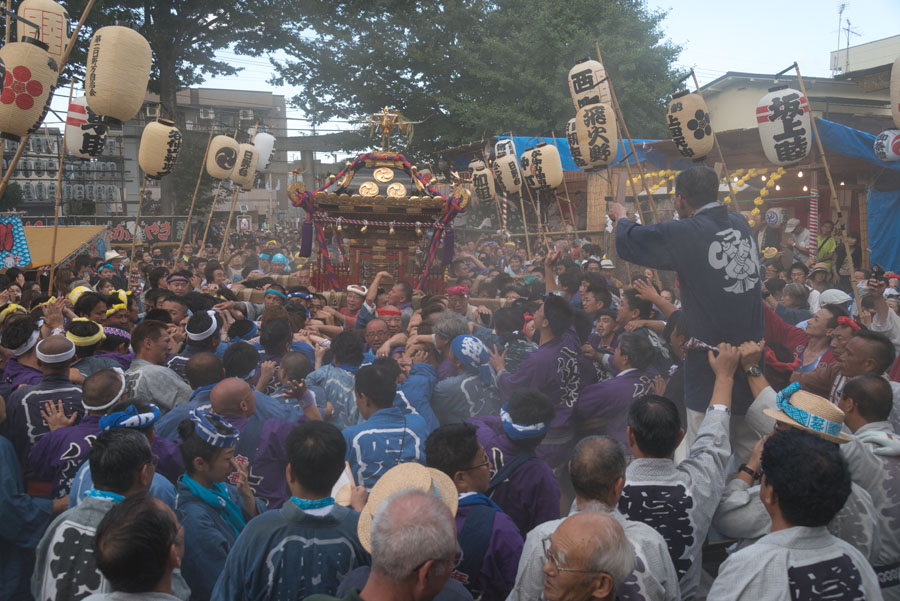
246,115
152,111
207,114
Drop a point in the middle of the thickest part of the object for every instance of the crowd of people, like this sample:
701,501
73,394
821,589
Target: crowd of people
185,428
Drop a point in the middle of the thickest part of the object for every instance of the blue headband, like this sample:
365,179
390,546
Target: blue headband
276,293
106,266
519,431
265,256
303,295
205,424
804,417
474,357
130,418
249,335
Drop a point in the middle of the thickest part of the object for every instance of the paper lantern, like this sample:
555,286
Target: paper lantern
265,144
895,92
160,144
593,136
222,157
118,69
887,145
583,84
482,181
782,117
542,167
244,171
85,130
506,167
27,87
53,21
689,126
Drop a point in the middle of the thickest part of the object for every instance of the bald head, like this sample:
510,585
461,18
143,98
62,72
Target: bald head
101,387
598,469
232,397
377,333
204,369
57,352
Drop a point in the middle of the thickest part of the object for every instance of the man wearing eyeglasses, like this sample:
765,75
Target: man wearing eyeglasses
587,558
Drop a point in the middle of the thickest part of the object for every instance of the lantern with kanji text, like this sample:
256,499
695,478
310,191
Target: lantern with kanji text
85,130
265,143
506,167
27,87
574,147
689,125
587,83
596,136
887,145
482,181
782,117
222,157
244,171
52,21
118,69
160,144
542,167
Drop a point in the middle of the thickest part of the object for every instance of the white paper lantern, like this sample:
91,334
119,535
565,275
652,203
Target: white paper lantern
53,21
574,146
160,144
583,84
27,87
222,157
689,125
593,136
265,144
506,167
895,92
887,145
542,167
244,171
482,181
85,130
782,117
118,69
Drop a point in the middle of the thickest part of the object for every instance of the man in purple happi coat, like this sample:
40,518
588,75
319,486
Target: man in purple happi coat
521,484
603,407
490,540
20,335
557,368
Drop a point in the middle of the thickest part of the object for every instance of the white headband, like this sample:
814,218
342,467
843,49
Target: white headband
32,340
59,357
209,331
115,399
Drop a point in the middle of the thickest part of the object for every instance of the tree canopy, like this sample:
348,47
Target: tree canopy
473,68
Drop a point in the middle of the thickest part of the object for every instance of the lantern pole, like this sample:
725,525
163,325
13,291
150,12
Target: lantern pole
234,200
137,222
833,190
718,148
59,172
74,38
522,205
187,225
211,211
571,221
6,33
496,196
637,162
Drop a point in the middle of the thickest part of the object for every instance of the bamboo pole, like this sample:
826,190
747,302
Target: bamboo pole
571,220
718,148
137,224
834,198
4,183
211,211
187,225
59,172
6,36
522,206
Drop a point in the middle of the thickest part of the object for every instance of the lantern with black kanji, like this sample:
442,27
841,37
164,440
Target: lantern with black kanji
574,146
160,144
482,181
587,83
118,69
542,167
222,157
887,145
782,117
85,130
53,22
244,171
506,167
895,92
596,134
689,125
265,144
27,87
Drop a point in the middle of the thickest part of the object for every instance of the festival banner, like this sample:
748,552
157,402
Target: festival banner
13,245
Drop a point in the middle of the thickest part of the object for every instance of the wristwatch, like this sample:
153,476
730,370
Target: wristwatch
753,371
746,469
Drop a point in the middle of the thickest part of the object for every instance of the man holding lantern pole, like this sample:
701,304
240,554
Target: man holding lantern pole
715,256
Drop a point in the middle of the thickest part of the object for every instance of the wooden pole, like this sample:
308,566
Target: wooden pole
211,211
137,224
834,198
62,64
718,148
197,188
59,172
6,36
234,196
571,219
525,224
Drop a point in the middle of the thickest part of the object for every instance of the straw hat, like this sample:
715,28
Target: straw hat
815,406
403,477
821,266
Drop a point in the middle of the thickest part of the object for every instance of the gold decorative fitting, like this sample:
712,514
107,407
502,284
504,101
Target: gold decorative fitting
396,190
296,189
383,174
368,189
